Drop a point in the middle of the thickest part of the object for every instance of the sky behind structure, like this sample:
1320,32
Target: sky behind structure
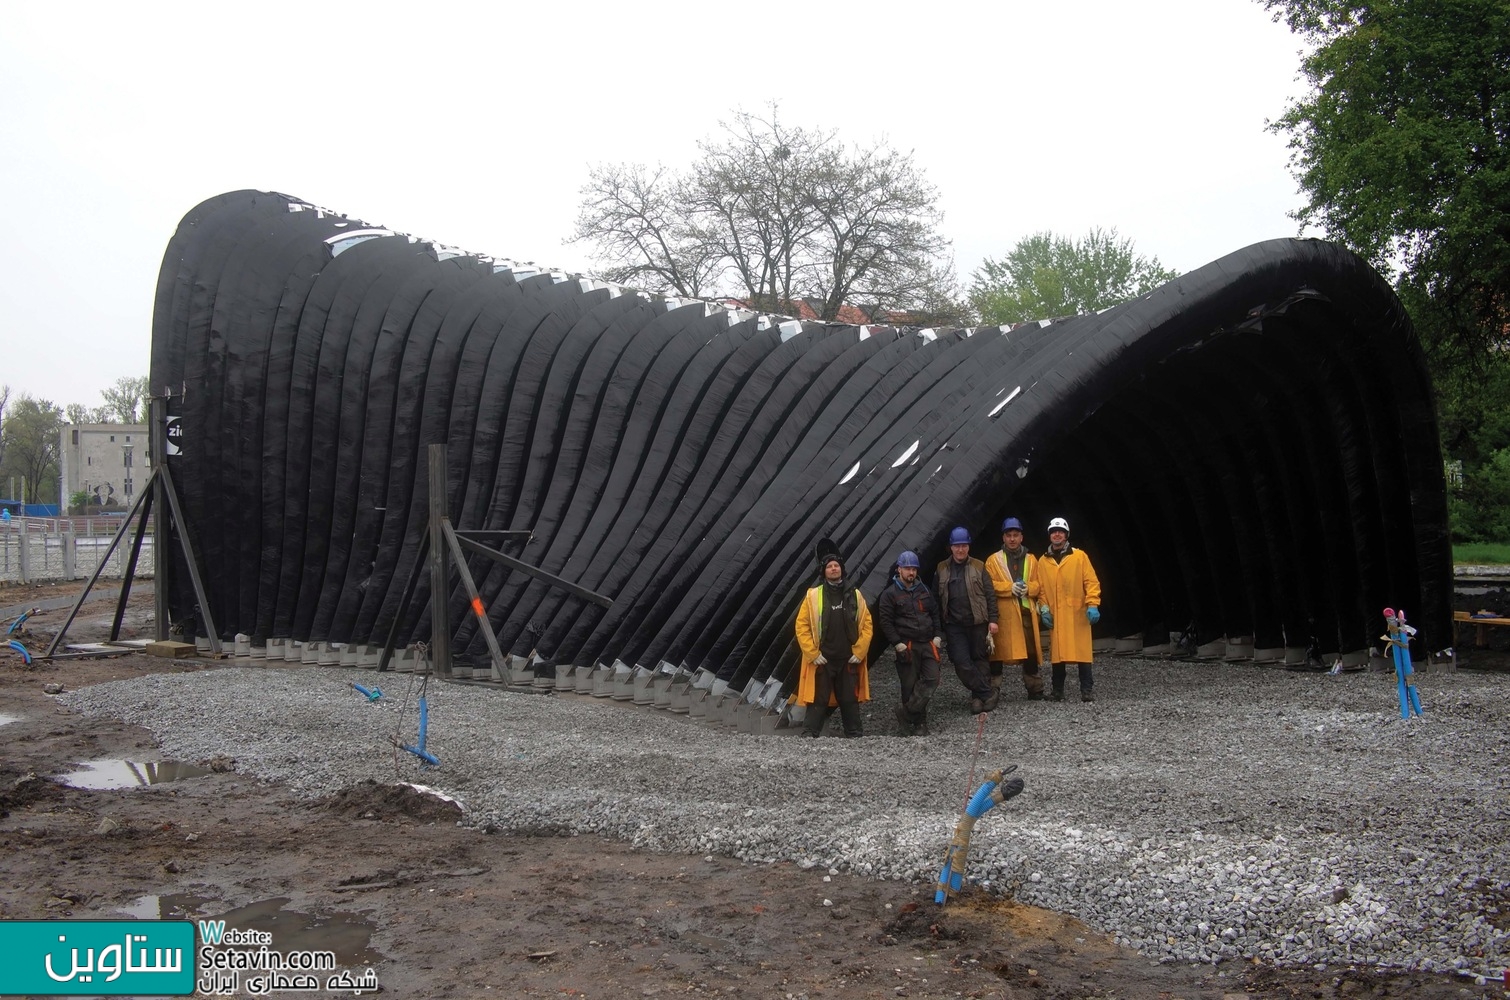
474,124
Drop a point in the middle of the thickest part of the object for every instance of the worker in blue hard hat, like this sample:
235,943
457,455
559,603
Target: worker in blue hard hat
910,624
1069,603
1014,574
967,602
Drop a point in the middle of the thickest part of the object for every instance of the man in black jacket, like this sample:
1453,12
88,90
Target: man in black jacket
967,602
910,625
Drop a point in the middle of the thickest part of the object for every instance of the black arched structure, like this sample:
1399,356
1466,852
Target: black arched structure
1248,451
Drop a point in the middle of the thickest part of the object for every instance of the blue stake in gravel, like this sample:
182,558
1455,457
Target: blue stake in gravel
420,751
992,792
372,695
1398,637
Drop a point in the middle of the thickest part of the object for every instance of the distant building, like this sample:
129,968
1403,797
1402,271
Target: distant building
106,461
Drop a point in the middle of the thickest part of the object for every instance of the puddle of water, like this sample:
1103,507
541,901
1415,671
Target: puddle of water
345,934
177,906
105,774
8,719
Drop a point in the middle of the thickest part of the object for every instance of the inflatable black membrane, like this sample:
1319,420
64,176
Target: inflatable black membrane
1248,453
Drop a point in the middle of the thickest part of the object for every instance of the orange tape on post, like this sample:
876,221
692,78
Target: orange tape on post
477,608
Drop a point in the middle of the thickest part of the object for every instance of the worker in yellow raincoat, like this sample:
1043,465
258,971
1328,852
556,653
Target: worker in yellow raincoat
833,632
1014,574
1069,603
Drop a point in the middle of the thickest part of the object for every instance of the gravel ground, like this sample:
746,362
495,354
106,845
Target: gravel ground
1196,811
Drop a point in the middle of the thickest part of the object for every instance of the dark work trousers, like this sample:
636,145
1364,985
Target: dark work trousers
918,674
968,654
840,679
1086,680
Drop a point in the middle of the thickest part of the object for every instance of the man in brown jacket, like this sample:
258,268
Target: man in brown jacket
968,603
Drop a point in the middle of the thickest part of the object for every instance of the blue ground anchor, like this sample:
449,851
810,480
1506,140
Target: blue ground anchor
991,793
372,695
420,751
1398,636
13,644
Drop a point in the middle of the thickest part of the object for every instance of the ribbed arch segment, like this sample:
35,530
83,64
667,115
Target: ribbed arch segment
1249,451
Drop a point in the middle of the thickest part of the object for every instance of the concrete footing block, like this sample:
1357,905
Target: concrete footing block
243,646
1269,654
274,649
643,695
1295,656
623,681
329,654
564,679
1129,644
697,702
765,723
202,643
309,652
369,656
1158,649
681,696
351,654
1355,660
1107,645
293,651
1239,647
1213,650
602,682
404,660
520,671
660,691
462,671
582,678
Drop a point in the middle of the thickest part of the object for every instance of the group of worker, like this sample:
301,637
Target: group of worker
984,615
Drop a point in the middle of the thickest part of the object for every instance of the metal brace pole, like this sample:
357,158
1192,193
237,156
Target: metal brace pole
440,570
477,606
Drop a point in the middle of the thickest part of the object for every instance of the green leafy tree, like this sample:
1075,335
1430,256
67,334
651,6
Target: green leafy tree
123,401
30,431
771,213
1045,276
1402,151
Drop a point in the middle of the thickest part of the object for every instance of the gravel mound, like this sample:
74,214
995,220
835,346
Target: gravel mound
1195,811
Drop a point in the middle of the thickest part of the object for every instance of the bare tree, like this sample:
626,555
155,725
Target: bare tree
771,212
632,215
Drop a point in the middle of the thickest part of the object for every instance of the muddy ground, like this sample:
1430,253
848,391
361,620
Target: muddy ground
385,877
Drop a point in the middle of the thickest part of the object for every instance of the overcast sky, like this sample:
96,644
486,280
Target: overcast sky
474,125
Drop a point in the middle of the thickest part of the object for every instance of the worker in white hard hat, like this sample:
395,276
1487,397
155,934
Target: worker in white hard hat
1069,603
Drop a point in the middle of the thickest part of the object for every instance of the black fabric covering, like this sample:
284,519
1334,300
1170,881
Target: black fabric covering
1249,450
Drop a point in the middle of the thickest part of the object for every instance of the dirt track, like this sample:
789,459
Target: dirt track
385,878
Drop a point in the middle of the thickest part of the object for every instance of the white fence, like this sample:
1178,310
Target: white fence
37,548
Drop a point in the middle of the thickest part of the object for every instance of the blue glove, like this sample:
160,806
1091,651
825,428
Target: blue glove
1046,616
1093,614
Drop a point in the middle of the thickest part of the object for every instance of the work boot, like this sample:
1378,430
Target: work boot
1035,695
992,699
996,683
904,720
922,728
977,706
1057,695
1087,695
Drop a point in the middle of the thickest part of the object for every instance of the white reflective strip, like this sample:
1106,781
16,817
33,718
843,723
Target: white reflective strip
790,329
998,408
850,474
902,458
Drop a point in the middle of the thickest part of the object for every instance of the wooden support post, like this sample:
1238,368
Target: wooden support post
158,410
440,570
500,669
94,577
188,548
410,585
129,575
